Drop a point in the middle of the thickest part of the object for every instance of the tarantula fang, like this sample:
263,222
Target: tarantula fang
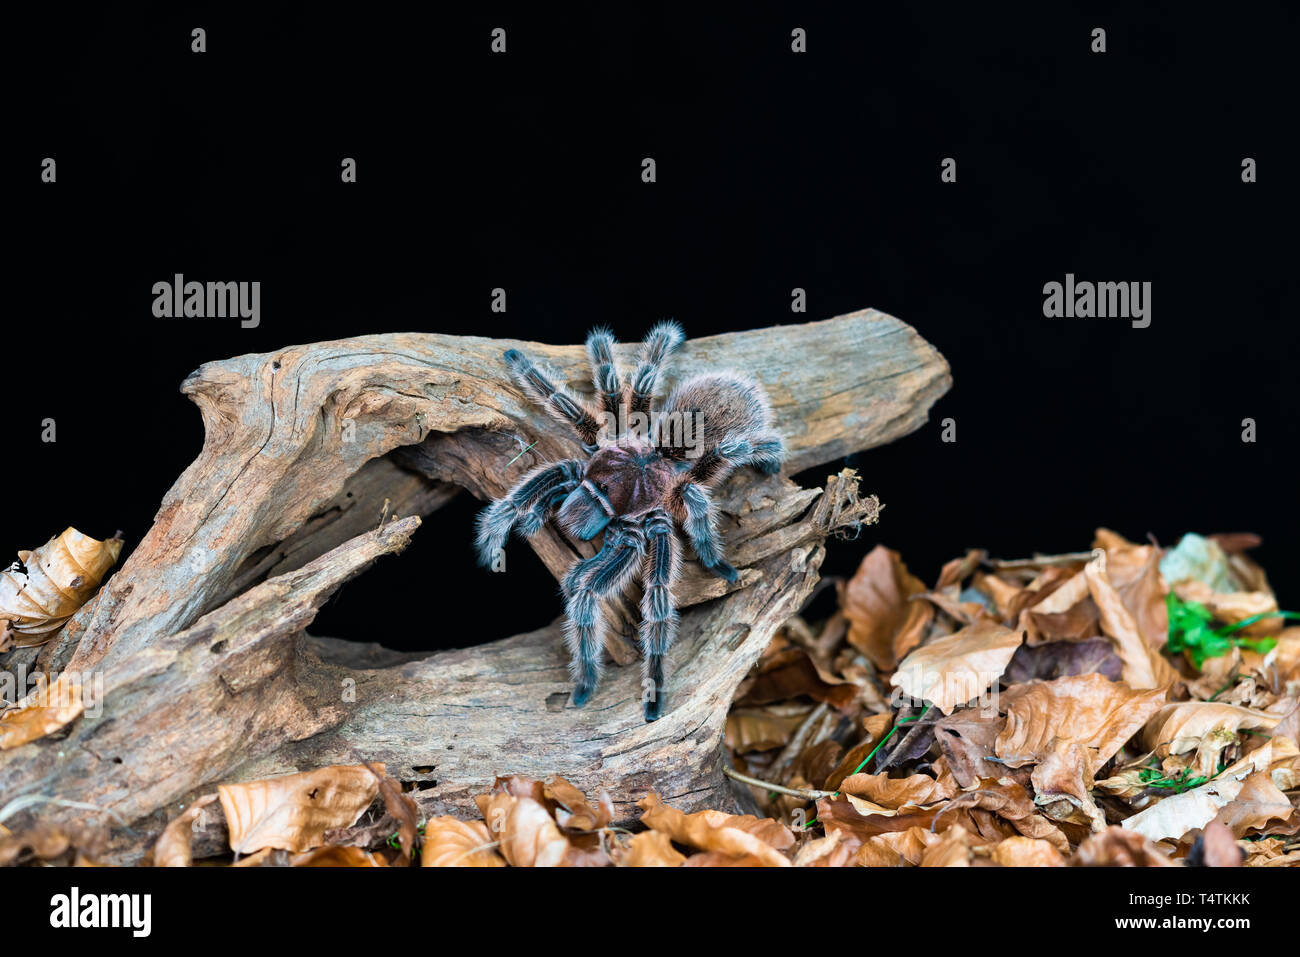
645,474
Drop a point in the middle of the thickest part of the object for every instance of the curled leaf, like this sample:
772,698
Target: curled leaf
294,812
958,668
43,711
736,836
175,845
449,842
43,590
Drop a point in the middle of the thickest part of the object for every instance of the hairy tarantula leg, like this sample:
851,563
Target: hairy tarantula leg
538,487
698,515
768,454
660,343
584,586
555,399
658,616
604,375
765,453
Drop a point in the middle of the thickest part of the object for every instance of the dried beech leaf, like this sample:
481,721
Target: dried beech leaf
895,848
528,835
953,849
958,668
967,739
1144,666
294,812
573,811
1088,709
893,793
1060,659
1174,816
736,836
335,856
1117,847
1258,803
1023,851
449,842
884,623
1206,727
759,729
60,576
44,711
836,849
175,845
650,849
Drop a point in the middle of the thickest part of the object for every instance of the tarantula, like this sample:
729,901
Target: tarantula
645,473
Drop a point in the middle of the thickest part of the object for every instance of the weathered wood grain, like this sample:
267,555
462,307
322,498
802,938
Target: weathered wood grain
200,634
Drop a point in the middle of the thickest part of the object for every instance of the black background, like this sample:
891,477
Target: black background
775,170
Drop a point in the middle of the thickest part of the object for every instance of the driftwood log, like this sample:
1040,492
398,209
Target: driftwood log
320,459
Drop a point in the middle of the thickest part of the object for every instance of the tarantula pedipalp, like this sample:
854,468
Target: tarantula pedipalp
645,474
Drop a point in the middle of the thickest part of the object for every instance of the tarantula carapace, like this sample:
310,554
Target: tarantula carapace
644,474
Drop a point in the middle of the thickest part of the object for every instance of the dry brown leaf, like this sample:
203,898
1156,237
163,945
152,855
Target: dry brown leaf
760,729
836,849
1088,709
875,726
966,739
1009,800
294,812
528,835
893,793
1066,774
1257,804
175,845
574,812
958,668
1232,607
1144,595
650,849
401,809
1174,816
1144,666
1063,597
1216,847
1117,847
884,623
1023,851
895,848
1206,727
736,836
953,849
46,843
449,842
60,576
44,711
1003,593
335,856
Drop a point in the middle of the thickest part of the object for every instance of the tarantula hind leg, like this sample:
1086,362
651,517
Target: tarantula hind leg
658,616
585,584
698,516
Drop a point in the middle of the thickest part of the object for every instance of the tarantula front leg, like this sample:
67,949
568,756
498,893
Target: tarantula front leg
539,385
658,615
585,584
604,375
694,509
660,343
525,505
